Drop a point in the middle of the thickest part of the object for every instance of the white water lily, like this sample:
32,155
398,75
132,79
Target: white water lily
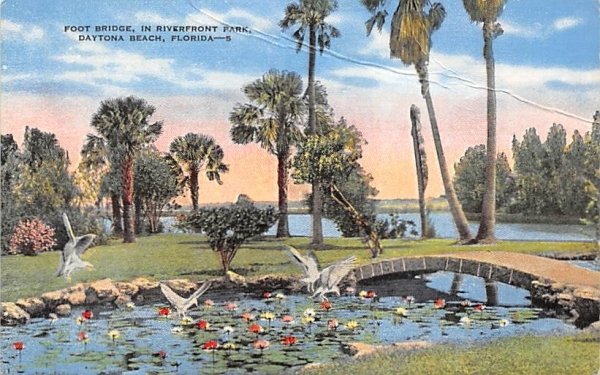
130,305
228,329
309,312
465,320
176,330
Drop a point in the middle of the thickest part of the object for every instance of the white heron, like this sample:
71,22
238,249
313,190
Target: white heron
70,260
321,283
182,305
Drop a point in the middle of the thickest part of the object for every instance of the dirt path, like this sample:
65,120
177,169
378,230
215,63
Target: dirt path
555,270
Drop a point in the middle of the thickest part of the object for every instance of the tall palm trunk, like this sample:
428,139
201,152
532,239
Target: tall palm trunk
317,202
117,219
456,210
128,227
194,187
283,229
420,161
487,224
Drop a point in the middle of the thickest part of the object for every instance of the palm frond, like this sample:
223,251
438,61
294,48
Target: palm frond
372,5
484,10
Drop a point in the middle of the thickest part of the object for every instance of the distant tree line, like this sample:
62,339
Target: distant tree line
550,178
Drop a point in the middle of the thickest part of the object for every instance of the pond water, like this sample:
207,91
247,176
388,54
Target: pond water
300,225
143,333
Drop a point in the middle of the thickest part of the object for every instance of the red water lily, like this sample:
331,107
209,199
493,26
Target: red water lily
371,294
202,324
287,319
326,305
231,306
266,294
210,345
289,340
19,345
255,328
261,344
479,307
164,311
439,303
332,324
87,314
82,336
160,354
247,316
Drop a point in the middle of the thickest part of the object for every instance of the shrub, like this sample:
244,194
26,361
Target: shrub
227,228
395,227
31,237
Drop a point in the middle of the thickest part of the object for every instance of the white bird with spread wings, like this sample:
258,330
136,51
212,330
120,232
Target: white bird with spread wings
326,281
182,305
70,258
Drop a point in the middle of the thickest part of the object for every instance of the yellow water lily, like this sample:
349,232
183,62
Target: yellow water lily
308,320
267,316
352,325
186,320
400,311
114,334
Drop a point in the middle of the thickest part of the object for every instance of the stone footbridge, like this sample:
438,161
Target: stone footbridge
569,289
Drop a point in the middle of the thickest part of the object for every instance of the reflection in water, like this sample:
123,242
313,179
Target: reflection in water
144,334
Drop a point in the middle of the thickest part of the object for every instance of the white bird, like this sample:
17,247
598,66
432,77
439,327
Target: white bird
182,305
331,276
310,268
325,281
70,258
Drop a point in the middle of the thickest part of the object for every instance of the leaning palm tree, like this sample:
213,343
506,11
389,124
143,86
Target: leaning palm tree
487,12
271,119
410,41
124,124
309,16
194,153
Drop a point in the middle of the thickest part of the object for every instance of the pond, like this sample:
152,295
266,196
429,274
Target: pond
300,225
278,335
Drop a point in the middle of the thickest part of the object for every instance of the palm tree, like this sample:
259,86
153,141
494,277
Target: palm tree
309,16
410,41
124,124
487,12
194,152
271,119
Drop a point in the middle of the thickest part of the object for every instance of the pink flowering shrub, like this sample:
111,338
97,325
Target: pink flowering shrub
31,237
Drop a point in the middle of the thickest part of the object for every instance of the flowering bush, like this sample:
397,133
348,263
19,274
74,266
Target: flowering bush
31,237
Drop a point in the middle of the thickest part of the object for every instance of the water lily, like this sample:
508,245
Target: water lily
247,317
87,314
229,346
465,303
210,345
350,291
231,306
439,303
371,294
410,300
309,312
280,296
255,328
261,344
479,307
465,320
228,330
160,354
332,324
288,340
326,305
130,305
287,319
208,303
202,324
503,323
362,294
82,336
114,334
186,320
266,294
352,325
164,311
308,320
19,346
53,318
268,316
80,320
400,311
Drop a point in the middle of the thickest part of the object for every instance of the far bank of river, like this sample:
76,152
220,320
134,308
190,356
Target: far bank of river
300,225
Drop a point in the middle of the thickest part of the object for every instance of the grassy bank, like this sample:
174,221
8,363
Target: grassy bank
517,355
525,219
188,255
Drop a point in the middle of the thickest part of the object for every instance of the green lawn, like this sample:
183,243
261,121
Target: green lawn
530,355
187,255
